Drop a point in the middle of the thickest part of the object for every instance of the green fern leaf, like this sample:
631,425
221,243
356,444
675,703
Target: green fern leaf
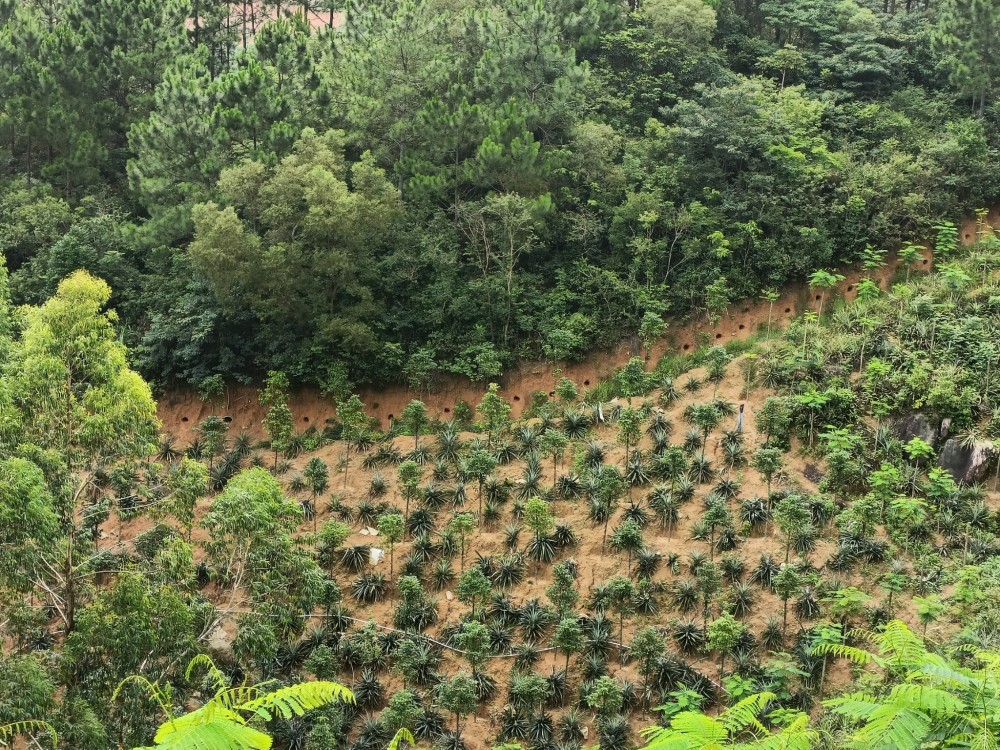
216,735
297,699
941,672
28,728
857,706
210,713
744,713
689,729
893,728
901,645
927,699
402,735
843,651
204,660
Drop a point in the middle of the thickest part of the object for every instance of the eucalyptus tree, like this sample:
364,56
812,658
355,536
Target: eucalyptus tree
824,281
706,417
767,462
629,429
391,528
568,637
73,393
212,430
252,551
724,634
186,483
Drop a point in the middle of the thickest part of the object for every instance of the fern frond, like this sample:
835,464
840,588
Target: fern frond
204,660
903,647
695,725
843,651
219,734
210,713
744,713
857,706
940,671
671,741
924,698
28,728
990,661
402,735
234,697
893,727
295,700
797,735
984,739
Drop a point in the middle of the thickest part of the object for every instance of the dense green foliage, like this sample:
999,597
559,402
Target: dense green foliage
435,186
663,559
191,193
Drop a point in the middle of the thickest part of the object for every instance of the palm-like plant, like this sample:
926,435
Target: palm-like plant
224,721
693,730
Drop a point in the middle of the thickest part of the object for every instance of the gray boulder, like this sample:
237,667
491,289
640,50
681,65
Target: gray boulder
968,465
916,425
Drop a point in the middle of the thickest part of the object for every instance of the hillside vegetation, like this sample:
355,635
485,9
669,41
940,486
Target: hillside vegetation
545,581
440,187
532,375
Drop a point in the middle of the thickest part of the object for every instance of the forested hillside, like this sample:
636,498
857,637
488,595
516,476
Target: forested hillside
535,375
443,186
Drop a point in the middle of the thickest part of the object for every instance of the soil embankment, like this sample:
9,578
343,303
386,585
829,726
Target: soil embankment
181,411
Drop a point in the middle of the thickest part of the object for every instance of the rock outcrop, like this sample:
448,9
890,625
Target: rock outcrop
917,425
967,464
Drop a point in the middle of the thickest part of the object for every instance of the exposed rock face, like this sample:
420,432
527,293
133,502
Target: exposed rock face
916,425
968,465
220,642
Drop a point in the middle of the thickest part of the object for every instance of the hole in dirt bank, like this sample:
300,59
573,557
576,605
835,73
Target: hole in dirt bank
305,419
718,336
184,419
687,346
447,410
817,297
742,327
552,394
517,398
392,416
925,261
788,309
586,382
968,236
850,287
227,419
